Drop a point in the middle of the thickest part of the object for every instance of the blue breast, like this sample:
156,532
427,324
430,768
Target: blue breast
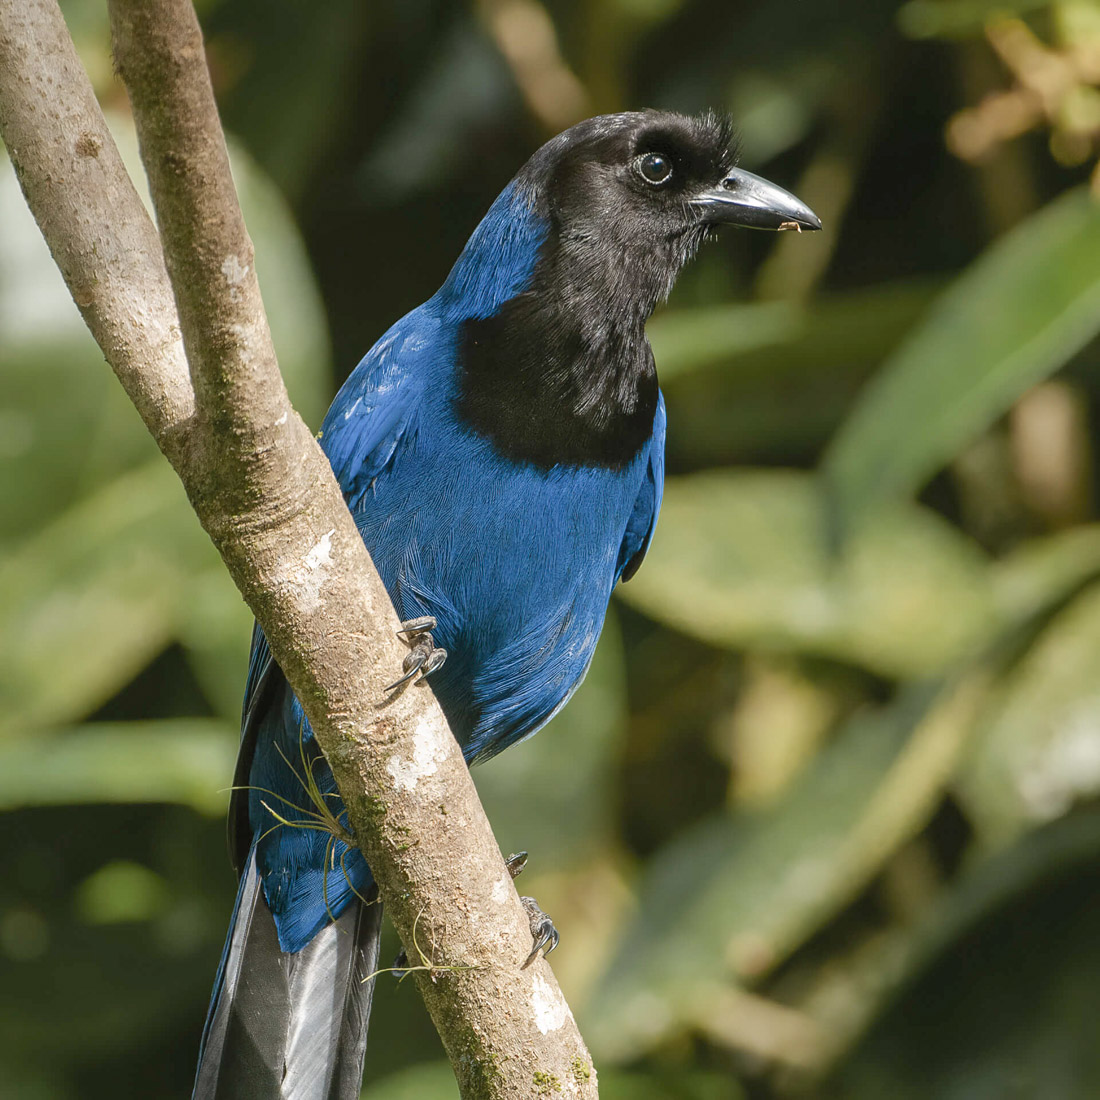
516,565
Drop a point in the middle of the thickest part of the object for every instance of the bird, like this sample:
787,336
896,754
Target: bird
501,448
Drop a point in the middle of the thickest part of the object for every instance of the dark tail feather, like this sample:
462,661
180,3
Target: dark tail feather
289,1026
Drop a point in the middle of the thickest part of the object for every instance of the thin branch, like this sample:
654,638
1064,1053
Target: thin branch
265,493
91,216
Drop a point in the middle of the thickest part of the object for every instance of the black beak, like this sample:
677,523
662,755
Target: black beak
747,200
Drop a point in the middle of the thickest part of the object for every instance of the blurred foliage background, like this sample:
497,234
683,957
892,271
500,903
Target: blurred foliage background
823,821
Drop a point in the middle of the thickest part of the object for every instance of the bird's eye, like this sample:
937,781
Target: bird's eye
654,168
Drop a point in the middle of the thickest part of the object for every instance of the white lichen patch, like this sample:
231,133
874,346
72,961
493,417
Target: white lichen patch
549,1006
429,751
501,890
234,271
307,578
320,557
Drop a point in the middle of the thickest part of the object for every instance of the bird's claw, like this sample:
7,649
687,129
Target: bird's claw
423,656
543,931
400,965
418,626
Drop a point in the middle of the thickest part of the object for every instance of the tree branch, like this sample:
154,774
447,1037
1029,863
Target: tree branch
91,216
263,490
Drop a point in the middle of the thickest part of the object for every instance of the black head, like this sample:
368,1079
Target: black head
560,372
641,190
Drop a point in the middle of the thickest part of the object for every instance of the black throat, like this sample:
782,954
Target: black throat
563,374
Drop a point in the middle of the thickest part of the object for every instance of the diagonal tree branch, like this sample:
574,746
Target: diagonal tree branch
98,231
264,492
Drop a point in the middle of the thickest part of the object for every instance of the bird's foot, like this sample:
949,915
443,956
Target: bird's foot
413,627
423,656
400,965
543,932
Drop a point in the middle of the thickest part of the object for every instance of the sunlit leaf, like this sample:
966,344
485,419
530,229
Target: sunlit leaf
731,898
92,598
1028,304
1040,752
743,560
957,18
120,892
744,382
1042,572
184,760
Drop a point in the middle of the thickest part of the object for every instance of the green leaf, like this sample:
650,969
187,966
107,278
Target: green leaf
742,560
54,452
122,892
730,899
1017,315
215,631
957,18
686,339
764,338
98,545
34,302
293,303
746,381
1042,572
861,985
92,598
184,760
1040,750
1005,975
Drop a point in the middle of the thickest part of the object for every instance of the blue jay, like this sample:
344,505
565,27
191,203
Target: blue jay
502,451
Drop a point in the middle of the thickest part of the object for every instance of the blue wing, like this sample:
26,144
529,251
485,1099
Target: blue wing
361,433
639,528
376,407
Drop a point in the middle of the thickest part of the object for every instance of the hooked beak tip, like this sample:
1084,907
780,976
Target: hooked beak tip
748,200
